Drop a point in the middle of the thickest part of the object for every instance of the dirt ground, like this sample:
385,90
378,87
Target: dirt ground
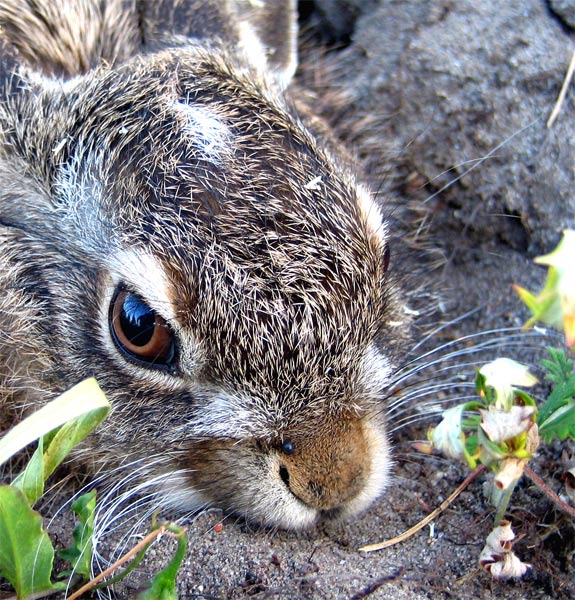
445,103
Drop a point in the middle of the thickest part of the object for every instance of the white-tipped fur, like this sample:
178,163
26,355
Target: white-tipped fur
145,275
372,215
377,370
206,131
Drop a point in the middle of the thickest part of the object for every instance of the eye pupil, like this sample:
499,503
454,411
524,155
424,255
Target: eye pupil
137,320
139,333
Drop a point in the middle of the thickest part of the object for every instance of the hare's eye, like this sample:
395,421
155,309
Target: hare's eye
139,333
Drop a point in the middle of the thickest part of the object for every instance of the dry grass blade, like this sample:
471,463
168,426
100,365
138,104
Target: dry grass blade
121,561
560,99
432,515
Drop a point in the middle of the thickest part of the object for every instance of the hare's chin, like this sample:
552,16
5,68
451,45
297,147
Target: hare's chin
273,507
276,507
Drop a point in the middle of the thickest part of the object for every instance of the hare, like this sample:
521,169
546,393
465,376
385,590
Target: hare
172,226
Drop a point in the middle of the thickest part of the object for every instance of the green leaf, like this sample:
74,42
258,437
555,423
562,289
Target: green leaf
555,304
69,436
559,366
545,307
561,395
26,553
79,554
561,424
163,586
83,398
557,416
526,399
31,481
58,443
489,452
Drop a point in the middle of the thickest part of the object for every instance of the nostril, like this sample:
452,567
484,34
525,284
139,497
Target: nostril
284,475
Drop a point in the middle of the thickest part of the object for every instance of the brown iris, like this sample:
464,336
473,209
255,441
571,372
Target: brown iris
140,333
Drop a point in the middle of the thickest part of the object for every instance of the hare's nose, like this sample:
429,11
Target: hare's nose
327,470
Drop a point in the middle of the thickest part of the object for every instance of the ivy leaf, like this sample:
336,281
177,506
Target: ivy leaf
26,552
80,552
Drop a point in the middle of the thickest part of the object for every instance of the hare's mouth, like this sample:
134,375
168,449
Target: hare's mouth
293,484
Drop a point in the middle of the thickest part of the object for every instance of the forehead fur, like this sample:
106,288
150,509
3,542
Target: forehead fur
145,275
205,130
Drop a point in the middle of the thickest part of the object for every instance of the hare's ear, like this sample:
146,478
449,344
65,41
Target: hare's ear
66,39
8,68
274,22
263,31
31,119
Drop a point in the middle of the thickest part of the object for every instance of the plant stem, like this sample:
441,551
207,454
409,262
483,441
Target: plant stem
504,502
137,548
549,492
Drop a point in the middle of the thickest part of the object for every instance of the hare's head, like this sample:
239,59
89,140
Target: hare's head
179,235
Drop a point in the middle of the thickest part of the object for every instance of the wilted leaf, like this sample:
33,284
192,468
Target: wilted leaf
511,567
497,556
510,471
448,437
502,374
501,425
569,479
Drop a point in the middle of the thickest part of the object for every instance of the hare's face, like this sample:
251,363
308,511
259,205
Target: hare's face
224,280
